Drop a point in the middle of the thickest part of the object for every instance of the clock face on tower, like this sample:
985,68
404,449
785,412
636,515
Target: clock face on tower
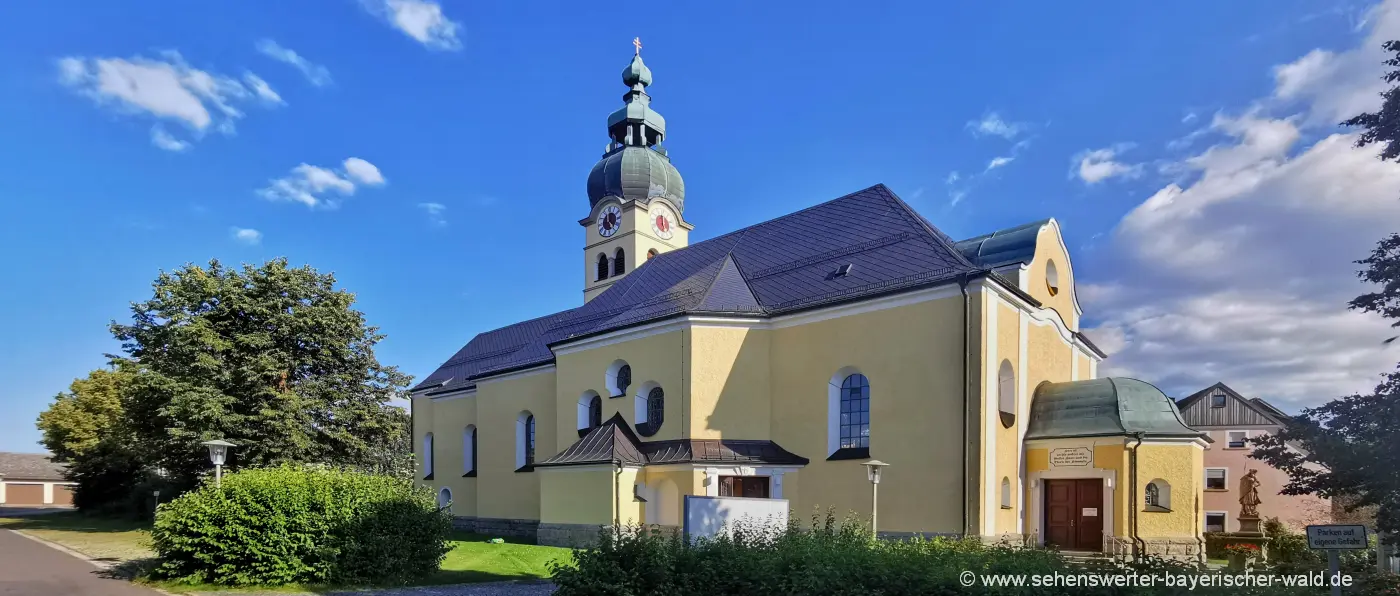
609,220
663,222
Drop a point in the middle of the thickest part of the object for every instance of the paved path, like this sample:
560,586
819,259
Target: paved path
32,568
539,588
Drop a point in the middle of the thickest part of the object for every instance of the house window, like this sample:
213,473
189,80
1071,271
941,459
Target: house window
602,267
855,412
618,378
595,412
1052,278
1215,521
1236,439
753,487
428,456
1215,478
1217,400
619,263
1005,492
524,442
469,451
1006,394
651,411
1157,495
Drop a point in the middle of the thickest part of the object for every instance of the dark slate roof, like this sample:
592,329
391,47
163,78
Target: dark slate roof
614,442
30,466
779,266
1003,247
611,441
1108,406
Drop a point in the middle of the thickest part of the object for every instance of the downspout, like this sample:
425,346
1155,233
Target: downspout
1138,545
617,498
966,398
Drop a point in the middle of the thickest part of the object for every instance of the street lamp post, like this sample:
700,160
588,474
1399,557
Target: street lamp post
872,472
218,453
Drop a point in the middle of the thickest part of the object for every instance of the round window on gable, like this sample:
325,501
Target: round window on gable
1052,278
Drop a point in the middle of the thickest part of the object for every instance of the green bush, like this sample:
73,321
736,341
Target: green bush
841,559
285,525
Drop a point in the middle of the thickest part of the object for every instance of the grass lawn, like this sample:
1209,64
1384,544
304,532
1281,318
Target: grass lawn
472,558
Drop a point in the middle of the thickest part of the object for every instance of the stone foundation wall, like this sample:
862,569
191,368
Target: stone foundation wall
569,535
497,527
883,535
1180,549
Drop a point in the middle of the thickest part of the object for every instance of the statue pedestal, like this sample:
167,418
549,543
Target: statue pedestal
1250,525
1251,532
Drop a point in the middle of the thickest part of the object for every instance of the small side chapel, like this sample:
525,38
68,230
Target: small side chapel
773,361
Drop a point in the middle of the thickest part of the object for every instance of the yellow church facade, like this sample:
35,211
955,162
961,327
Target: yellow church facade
775,360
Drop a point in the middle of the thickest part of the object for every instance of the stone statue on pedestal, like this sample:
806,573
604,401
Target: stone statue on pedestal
1249,495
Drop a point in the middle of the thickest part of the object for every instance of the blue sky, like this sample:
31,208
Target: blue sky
1173,141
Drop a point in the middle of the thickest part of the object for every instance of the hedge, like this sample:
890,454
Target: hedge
842,559
285,525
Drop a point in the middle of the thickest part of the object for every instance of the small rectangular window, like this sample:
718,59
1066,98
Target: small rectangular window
1215,478
1236,439
1217,400
1215,522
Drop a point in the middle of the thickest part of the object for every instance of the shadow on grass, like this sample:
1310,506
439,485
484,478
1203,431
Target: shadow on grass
73,521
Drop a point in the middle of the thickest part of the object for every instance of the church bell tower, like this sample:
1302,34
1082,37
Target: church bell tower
636,198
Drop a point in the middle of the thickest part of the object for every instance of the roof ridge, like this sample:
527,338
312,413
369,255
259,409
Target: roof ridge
940,239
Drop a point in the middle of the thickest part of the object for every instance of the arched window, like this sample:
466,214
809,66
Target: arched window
444,499
1052,278
1005,492
524,442
651,253
855,412
428,456
1157,495
1006,394
650,409
469,451
618,378
619,262
602,267
590,412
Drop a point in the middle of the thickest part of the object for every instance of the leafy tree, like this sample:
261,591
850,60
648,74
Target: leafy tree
75,422
270,357
1383,126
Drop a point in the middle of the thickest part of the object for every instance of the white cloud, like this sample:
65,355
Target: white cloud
1242,269
165,141
1096,165
1338,85
247,236
1188,118
952,177
166,89
423,20
998,162
993,124
437,213
315,74
262,89
315,186
363,172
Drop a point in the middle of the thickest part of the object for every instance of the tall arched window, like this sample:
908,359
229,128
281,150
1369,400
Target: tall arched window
855,412
428,456
524,442
650,406
1006,394
590,412
595,412
469,451
1005,492
619,262
602,267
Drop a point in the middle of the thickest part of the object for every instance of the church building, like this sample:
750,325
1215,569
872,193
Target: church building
774,361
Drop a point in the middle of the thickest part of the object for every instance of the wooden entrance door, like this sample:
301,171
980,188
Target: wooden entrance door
1074,514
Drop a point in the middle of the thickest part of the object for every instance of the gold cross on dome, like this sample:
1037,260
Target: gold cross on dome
637,43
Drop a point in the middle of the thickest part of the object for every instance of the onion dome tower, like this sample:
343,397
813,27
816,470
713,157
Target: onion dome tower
635,196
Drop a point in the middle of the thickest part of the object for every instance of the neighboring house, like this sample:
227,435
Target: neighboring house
1231,419
32,479
774,360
